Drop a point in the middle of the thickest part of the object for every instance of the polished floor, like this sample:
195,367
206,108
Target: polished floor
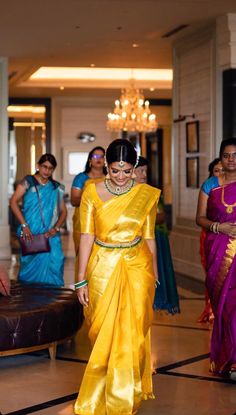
32,383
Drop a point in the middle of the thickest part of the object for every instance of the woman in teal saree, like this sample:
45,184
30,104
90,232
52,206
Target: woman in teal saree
41,215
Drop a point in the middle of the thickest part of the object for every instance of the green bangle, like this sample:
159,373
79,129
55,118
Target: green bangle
80,284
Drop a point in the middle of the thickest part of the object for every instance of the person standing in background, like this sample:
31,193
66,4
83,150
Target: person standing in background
215,169
166,295
44,211
216,212
94,171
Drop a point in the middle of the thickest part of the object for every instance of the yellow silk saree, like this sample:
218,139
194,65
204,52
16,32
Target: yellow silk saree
121,293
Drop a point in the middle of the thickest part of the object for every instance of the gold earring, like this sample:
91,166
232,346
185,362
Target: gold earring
107,176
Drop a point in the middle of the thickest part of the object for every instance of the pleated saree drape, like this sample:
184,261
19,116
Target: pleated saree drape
121,292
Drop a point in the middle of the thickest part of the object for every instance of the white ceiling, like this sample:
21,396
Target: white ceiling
100,32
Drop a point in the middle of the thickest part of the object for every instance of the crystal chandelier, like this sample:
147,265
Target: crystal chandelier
131,113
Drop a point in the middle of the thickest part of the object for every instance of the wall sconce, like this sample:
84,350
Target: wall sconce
86,137
184,117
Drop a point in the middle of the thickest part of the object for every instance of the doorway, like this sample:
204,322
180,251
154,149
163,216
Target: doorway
29,136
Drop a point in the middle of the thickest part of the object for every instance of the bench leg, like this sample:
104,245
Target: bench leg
53,351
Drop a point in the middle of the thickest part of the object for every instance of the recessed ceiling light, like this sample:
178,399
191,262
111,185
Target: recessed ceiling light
73,73
62,88
135,45
92,65
151,89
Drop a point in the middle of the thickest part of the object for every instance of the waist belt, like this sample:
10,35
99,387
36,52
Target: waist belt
119,244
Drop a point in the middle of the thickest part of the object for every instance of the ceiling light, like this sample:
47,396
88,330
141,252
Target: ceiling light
69,73
62,88
151,89
131,113
135,45
26,108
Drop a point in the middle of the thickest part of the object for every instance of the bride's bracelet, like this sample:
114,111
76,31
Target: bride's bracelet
215,227
80,284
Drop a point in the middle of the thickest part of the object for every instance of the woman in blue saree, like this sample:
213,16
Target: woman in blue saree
43,214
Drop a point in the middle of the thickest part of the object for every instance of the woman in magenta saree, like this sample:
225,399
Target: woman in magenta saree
217,213
221,280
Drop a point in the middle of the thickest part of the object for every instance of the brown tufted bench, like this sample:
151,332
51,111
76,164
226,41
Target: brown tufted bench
36,317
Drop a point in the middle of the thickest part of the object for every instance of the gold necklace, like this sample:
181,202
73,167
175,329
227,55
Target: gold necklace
118,190
229,208
41,182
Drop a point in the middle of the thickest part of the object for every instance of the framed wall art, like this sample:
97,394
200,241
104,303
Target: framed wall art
192,172
192,137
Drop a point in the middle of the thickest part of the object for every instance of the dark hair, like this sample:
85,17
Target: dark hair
52,160
48,157
121,147
212,165
87,165
225,143
142,161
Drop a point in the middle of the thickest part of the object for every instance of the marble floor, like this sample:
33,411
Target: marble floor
32,383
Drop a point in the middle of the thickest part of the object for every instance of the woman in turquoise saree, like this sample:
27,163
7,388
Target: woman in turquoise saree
166,294
217,214
41,215
116,285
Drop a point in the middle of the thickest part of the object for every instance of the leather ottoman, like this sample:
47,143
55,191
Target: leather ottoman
35,317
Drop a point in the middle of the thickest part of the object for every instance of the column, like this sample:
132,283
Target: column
5,250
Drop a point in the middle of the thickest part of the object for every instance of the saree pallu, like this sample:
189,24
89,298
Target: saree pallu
221,281
121,291
43,268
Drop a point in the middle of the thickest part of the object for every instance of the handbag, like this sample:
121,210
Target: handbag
39,243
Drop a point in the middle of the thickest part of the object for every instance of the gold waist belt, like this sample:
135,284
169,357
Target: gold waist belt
119,244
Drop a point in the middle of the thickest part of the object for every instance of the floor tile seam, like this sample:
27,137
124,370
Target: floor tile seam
182,327
182,363
197,377
44,405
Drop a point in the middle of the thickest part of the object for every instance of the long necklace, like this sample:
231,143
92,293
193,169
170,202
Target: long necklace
118,190
229,208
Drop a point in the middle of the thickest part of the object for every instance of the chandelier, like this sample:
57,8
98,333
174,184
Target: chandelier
131,113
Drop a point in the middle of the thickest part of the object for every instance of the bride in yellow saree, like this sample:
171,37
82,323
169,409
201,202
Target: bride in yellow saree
116,284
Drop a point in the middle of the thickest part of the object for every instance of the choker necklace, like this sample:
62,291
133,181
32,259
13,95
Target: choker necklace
118,190
229,208
41,182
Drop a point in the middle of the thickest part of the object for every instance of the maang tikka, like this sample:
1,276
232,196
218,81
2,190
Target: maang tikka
121,162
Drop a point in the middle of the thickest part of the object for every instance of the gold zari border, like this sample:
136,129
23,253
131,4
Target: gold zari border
224,269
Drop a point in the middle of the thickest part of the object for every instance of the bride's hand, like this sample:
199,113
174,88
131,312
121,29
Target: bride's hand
83,295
